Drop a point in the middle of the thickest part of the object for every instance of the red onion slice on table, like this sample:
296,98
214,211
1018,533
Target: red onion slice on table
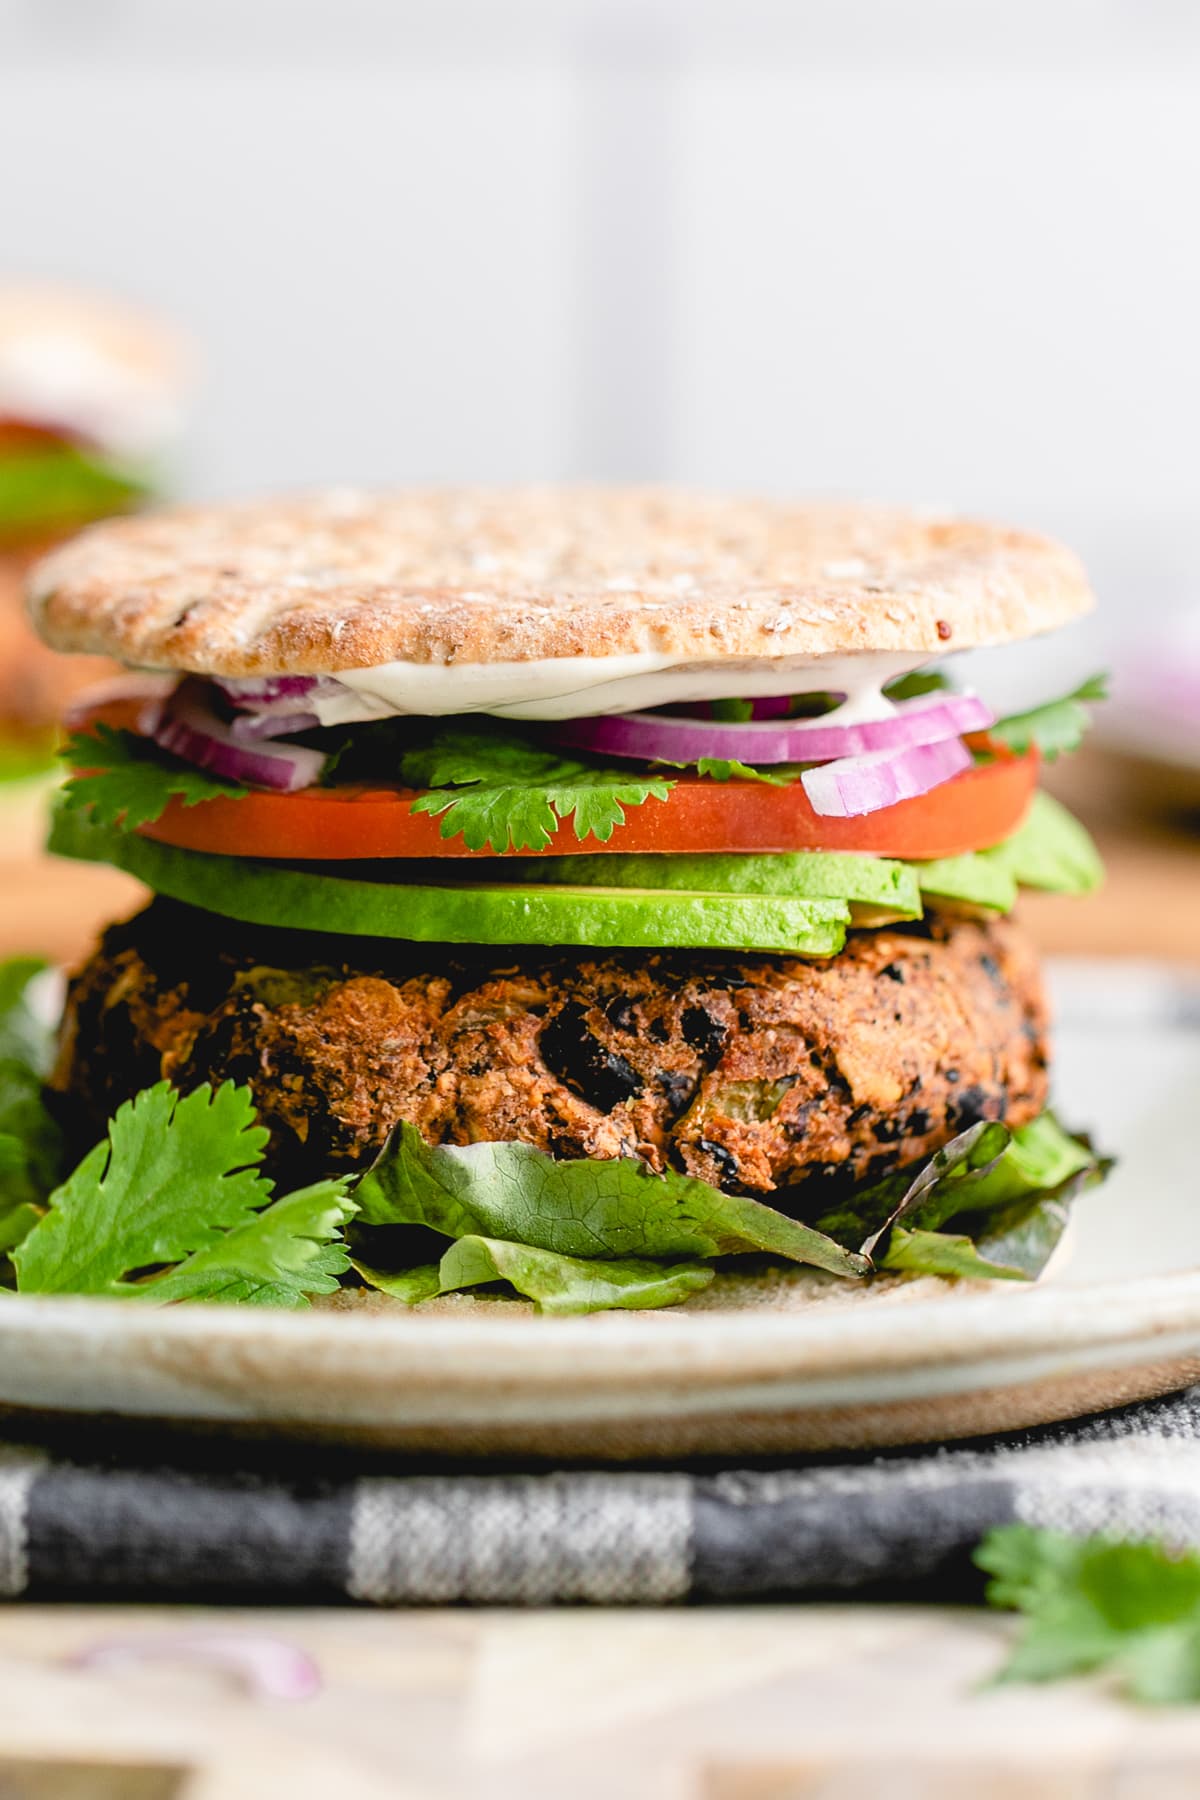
269,1667
664,737
865,784
191,730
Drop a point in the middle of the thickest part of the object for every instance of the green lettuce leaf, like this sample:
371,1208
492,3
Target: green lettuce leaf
555,1283
1099,1602
130,781
608,1209
1054,727
1006,1193
178,1181
501,792
30,1141
943,1253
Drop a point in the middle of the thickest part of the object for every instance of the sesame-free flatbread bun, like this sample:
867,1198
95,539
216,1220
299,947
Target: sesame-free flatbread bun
343,580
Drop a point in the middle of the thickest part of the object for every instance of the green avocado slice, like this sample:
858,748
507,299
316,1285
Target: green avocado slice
876,889
263,893
971,880
1050,849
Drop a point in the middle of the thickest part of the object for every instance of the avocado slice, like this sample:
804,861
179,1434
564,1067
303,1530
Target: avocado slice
1050,849
264,893
970,880
877,890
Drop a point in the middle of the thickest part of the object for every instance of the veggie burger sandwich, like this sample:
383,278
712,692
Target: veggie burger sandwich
91,396
568,893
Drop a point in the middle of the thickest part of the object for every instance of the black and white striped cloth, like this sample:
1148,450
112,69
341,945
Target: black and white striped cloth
103,1520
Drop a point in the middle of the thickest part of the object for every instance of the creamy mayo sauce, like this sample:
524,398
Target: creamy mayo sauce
573,687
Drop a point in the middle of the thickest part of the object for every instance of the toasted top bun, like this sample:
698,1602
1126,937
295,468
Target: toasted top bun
343,580
90,366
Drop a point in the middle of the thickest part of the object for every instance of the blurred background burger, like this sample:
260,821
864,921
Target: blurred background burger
91,401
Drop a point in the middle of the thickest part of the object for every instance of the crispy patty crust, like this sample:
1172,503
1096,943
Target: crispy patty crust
753,1072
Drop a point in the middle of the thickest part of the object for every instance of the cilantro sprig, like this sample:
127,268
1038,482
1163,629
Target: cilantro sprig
1054,727
502,792
1093,1603
127,781
172,1205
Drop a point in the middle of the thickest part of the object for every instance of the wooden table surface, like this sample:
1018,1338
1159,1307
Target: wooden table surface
812,1703
784,1703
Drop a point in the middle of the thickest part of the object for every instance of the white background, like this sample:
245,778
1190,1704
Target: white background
928,250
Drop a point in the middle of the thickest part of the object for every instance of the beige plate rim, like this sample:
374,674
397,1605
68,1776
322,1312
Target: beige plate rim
222,1364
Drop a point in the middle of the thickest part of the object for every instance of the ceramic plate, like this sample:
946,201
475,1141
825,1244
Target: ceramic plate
802,1363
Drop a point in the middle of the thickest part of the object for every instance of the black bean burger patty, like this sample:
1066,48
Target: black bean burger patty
754,1072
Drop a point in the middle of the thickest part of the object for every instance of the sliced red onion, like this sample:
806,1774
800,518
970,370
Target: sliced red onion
865,784
263,693
269,1666
253,728
663,737
190,729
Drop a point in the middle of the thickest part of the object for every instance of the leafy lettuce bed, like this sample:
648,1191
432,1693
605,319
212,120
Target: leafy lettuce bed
173,1206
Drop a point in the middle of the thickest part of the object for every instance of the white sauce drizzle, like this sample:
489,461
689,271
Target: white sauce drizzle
573,687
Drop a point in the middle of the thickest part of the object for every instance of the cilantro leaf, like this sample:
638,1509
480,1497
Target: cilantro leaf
126,781
510,794
722,768
1055,726
555,1283
276,1258
916,683
611,1209
177,1181
1099,1602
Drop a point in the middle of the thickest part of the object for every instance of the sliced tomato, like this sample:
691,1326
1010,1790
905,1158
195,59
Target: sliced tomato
344,824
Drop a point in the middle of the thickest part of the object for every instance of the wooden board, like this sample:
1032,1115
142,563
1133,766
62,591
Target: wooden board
782,1703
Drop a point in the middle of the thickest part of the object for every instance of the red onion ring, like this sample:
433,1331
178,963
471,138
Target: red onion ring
254,692
865,784
662,737
253,728
191,730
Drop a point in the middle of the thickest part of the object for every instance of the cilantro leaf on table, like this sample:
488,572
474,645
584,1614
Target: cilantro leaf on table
177,1180
502,792
1055,726
611,1209
1099,1603
555,1283
129,781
